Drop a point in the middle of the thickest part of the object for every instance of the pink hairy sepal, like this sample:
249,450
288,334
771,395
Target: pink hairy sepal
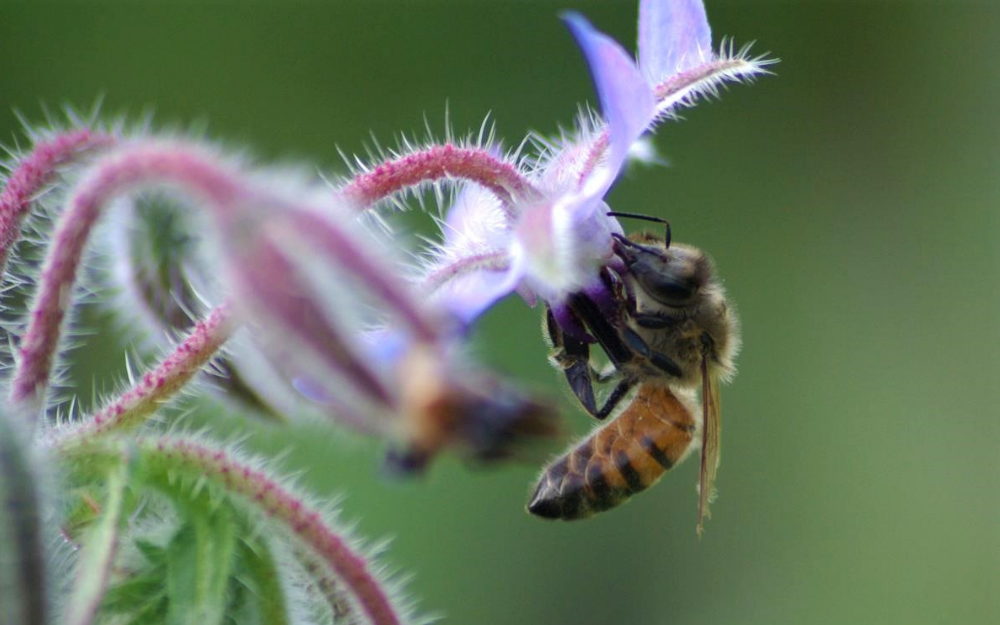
34,172
436,162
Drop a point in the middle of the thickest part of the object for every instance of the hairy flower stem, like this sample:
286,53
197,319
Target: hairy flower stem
138,403
34,172
677,89
139,164
440,161
220,469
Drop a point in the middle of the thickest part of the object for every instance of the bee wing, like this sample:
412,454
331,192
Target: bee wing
711,431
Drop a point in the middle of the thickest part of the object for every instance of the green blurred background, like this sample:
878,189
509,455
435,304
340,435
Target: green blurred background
851,203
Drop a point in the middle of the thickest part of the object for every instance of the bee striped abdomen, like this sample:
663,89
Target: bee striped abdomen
619,460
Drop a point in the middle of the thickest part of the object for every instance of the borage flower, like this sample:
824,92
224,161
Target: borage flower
553,242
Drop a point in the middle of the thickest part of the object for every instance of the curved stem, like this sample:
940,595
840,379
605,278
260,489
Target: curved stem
142,164
34,172
137,404
436,162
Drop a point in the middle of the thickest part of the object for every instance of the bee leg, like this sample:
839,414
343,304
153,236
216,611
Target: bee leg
573,356
578,377
614,398
707,345
660,361
653,322
618,352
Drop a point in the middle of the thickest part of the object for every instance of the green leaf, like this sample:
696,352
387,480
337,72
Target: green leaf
199,565
263,579
141,595
82,512
100,546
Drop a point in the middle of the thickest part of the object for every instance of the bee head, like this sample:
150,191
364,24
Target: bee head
670,275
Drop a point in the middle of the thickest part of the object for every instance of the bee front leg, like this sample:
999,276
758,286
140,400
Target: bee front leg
603,329
573,357
653,322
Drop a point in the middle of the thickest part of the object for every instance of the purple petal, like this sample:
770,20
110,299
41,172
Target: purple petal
469,293
563,243
674,35
626,99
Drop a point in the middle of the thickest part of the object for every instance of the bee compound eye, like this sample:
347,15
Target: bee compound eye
663,280
669,289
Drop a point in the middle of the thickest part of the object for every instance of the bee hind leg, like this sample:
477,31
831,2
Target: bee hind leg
619,392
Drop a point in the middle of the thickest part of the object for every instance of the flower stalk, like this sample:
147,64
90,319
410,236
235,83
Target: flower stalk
32,174
114,175
158,386
434,163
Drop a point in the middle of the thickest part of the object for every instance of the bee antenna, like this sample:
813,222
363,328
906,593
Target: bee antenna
658,220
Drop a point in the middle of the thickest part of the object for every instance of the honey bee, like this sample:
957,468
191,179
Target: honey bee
668,332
